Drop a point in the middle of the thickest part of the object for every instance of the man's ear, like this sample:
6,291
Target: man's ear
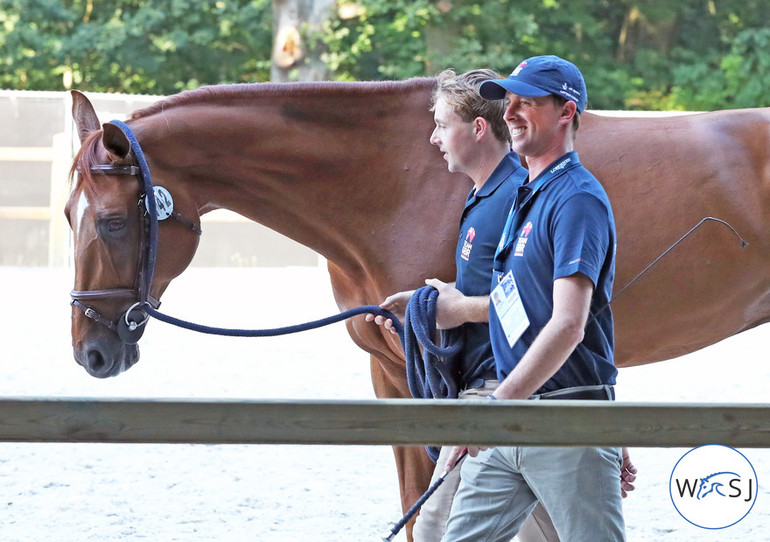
568,111
480,126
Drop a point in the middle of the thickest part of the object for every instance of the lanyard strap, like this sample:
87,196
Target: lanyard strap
526,193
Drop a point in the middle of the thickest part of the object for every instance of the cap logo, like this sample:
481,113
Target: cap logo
570,93
518,69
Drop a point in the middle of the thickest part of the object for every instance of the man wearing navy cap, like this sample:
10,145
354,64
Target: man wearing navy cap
473,138
550,326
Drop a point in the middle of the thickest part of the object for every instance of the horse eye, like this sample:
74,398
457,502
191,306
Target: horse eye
115,224
111,226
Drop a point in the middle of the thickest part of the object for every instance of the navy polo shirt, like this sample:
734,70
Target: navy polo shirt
562,224
481,224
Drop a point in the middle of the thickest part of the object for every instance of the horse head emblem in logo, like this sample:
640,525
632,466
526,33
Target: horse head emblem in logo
714,483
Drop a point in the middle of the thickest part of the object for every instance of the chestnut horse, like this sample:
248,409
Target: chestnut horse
347,170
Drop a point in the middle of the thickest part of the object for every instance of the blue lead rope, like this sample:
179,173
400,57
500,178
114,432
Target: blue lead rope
428,374
428,377
365,309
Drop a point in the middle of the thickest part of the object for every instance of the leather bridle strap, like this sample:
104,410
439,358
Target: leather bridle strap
134,171
130,325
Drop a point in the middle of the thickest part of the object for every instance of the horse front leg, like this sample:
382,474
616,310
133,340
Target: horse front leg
412,462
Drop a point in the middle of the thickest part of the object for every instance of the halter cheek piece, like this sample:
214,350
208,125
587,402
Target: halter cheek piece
155,203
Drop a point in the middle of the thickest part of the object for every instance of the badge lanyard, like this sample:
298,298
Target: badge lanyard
515,216
505,297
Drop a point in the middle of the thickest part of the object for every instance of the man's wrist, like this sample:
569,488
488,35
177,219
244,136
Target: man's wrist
478,309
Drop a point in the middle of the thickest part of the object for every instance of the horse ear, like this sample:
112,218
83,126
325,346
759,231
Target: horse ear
115,141
84,115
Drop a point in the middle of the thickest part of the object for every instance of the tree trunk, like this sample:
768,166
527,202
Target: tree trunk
296,50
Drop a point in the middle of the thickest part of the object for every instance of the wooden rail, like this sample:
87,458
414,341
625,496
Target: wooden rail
408,422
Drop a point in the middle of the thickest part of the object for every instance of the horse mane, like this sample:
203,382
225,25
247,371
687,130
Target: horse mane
86,156
245,91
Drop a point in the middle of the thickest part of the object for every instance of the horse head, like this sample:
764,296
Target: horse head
107,212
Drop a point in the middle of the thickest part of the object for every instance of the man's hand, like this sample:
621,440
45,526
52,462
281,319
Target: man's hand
453,308
627,474
458,452
396,304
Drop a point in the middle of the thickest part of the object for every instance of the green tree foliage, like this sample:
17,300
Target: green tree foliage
741,78
132,46
635,54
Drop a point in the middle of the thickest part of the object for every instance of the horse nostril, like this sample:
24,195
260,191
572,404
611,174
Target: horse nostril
105,356
95,361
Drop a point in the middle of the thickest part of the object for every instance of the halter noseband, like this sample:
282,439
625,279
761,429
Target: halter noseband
158,205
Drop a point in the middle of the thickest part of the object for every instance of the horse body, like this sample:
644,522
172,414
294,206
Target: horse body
664,175
347,170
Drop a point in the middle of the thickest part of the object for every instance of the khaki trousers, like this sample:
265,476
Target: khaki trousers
431,523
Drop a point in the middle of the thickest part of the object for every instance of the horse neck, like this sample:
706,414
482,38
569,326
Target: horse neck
340,172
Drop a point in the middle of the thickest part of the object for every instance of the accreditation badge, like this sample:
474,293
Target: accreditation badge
509,308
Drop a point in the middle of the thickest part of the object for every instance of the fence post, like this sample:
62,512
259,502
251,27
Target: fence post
58,229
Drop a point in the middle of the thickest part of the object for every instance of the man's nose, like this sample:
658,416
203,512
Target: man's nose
511,113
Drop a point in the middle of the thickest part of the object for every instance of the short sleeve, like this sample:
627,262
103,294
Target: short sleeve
581,237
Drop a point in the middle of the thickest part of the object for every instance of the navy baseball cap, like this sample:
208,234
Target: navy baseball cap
541,76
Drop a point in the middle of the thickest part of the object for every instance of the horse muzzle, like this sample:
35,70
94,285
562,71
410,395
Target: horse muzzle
102,354
110,348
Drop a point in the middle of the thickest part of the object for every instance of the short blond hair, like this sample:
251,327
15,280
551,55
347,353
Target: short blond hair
461,92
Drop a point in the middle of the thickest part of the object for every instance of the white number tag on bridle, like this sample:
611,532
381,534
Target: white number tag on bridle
163,201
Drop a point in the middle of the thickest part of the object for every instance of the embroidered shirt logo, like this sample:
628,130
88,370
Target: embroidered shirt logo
465,253
523,238
561,165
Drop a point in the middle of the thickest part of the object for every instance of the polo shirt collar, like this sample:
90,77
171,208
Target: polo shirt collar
504,170
554,170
